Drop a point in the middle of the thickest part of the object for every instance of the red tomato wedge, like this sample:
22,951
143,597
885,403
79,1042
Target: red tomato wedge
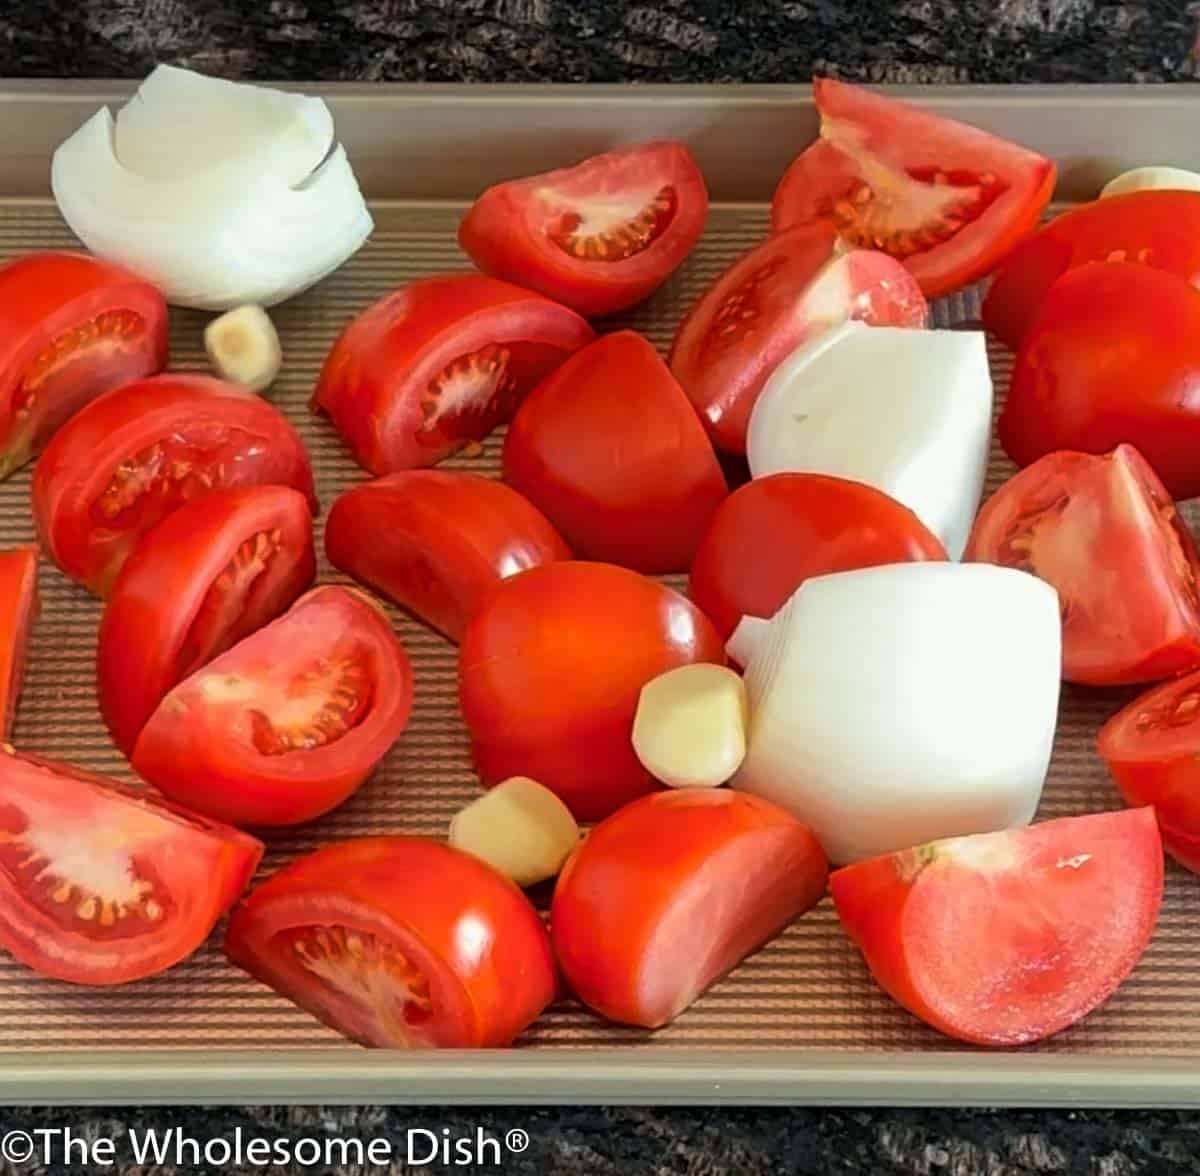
608,447
771,301
137,453
550,670
209,574
1006,938
290,721
71,327
434,541
1159,229
772,534
399,942
599,236
1113,356
948,200
18,611
672,892
103,884
438,364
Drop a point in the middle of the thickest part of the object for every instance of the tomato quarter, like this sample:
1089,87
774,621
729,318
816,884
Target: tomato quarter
18,611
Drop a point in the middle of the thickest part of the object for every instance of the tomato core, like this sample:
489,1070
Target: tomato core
464,400
318,707
593,235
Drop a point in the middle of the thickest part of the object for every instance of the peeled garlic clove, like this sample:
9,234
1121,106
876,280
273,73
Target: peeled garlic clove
690,727
520,828
243,347
1142,178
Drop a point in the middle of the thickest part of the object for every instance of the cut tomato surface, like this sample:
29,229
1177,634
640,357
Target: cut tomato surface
399,942
438,364
209,574
1007,938
290,721
599,236
18,611
948,200
103,884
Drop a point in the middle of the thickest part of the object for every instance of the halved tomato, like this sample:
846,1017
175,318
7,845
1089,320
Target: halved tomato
439,364
770,302
399,942
101,883
1106,535
674,891
435,541
290,721
206,576
948,200
550,670
599,236
1159,229
18,611
137,453
1006,938
609,448
72,327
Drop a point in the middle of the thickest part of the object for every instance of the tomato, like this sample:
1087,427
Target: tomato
550,670
599,236
610,449
18,610
1160,229
1113,356
399,942
435,541
1006,938
438,364
772,534
672,892
101,883
137,453
71,327
767,304
290,721
948,200
210,573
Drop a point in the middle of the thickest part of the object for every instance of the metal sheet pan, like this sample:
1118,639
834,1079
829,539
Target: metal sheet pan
800,1021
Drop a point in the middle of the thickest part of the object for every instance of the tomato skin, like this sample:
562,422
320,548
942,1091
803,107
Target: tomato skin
435,541
1007,938
672,892
772,534
610,450
1111,358
164,586
202,745
1159,229
550,670
105,441
473,934
195,869
19,606
509,230
378,385
45,296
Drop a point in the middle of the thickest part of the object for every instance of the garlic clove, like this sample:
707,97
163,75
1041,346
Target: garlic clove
1140,179
243,347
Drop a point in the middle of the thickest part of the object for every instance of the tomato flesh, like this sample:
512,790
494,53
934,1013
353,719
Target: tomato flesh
18,611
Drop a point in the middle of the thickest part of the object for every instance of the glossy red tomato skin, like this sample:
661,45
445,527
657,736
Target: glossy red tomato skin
826,181
436,541
19,605
473,934
610,450
773,533
510,230
672,892
172,584
202,746
72,327
1156,228
192,868
1112,357
106,445
550,670
783,292
378,384
1007,938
